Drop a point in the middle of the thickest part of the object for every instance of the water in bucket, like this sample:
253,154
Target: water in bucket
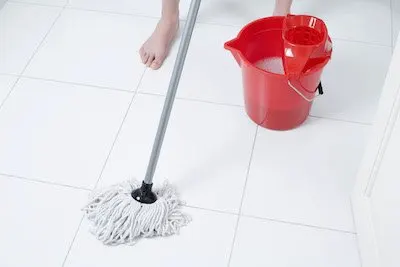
271,64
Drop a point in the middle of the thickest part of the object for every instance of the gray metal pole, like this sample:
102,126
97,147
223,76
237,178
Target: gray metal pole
173,86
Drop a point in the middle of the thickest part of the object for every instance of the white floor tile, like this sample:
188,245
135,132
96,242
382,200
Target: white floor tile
347,19
93,48
353,82
234,12
22,28
63,133
59,133
206,241
6,83
151,8
352,19
306,175
205,155
38,222
43,2
263,243
225,12
210,72
157,81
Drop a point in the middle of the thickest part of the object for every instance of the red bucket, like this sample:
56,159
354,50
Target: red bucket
272,98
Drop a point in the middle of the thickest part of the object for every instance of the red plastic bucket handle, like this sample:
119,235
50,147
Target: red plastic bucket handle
319,89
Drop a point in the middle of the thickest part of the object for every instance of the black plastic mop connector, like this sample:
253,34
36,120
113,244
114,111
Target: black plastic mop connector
144,194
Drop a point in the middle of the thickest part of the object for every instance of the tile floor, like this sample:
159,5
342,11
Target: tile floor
78,110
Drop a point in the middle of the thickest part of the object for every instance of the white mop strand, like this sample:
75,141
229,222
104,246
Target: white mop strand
116,218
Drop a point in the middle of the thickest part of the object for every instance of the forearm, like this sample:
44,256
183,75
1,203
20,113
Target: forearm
282,7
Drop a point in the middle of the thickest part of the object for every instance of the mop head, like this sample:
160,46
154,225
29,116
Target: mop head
116,218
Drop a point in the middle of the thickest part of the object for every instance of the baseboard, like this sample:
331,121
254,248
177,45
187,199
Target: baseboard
365,231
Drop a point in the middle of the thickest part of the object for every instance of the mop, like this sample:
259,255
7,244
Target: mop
124,213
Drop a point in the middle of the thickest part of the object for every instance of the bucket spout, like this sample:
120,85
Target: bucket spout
234,47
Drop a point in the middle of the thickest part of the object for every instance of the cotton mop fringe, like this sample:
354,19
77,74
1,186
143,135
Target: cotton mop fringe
116,218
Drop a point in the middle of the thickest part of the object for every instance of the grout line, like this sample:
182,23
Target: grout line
273,220
340,120
183,19
194,100
352,214
119,129
9,74
137,91
77,83
301,224
360,42
44,38
32,56
114,12
9,92
207,23
187,99
11,176
240,106
242,197
212,210
34,4
43,182
356,234
73,241
105,162
210,102
140,15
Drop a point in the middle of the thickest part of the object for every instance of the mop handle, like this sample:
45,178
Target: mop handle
173,86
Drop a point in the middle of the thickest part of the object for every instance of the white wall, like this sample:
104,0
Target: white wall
2,2
385,203
376,196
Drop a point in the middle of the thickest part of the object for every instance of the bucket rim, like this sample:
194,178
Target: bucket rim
252,65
